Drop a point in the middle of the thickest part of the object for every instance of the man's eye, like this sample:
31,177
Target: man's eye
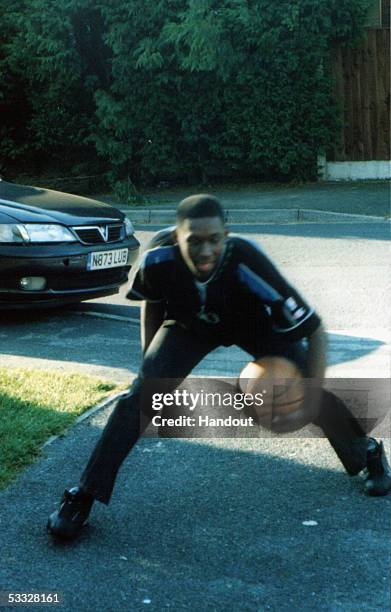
195,242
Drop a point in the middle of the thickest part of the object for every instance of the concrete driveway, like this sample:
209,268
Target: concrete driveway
219,524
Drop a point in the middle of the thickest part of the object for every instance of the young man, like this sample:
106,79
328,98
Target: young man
200,289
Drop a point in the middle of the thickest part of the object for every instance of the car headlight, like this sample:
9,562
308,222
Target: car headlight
35,232
129,229
10,233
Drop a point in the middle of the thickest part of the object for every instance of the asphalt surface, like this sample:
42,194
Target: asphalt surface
268,523
354,197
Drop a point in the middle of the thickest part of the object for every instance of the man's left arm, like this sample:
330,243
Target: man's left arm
316,366
316,357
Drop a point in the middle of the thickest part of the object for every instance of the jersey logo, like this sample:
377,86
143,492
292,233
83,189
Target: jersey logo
292,310
293,316
208,317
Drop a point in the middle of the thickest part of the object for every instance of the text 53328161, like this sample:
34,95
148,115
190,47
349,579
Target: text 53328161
9,598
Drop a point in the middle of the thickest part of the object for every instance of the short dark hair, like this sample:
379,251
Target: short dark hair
198,206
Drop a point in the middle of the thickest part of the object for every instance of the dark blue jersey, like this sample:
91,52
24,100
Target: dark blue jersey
244,286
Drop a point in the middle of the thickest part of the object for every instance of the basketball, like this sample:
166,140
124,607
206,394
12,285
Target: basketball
281,386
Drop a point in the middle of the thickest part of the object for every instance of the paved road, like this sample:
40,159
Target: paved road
358,197
218,524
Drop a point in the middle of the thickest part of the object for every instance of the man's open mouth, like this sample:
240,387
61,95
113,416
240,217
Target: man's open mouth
205,266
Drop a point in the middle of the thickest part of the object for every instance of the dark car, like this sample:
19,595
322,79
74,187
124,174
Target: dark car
57,248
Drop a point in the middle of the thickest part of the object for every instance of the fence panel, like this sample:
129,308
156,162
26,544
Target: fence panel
362,89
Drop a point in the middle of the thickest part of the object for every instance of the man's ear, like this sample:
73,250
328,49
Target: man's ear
174,235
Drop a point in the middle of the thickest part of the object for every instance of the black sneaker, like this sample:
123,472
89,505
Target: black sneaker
378,481
68,521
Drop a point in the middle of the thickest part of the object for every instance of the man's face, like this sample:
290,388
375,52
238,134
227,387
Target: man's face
201,242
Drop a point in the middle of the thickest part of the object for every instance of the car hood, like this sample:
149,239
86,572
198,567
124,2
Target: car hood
37,205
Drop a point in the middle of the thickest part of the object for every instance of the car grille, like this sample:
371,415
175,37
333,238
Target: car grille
98,234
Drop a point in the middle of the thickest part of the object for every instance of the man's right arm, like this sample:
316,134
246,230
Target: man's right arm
152,316
148,286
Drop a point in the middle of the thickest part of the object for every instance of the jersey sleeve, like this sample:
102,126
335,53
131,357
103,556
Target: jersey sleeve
148,283
145,286
291,316
163,237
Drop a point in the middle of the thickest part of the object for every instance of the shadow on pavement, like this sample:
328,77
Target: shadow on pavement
86,339
197,526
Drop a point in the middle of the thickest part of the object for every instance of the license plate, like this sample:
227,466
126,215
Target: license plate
107,259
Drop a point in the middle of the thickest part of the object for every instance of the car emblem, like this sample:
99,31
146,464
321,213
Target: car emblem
104,232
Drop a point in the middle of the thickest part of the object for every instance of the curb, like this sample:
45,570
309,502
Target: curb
251,216
103,404
334,217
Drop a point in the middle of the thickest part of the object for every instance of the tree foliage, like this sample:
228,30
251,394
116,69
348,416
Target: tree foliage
183,89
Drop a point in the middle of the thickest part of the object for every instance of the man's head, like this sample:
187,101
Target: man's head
200,233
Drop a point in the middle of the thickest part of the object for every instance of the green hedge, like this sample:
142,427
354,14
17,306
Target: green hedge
172,89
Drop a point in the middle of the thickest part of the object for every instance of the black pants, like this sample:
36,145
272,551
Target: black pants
172,354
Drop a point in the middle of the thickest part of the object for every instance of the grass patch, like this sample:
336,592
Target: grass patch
36,404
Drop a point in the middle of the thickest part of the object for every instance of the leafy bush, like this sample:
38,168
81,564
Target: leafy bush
176,89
